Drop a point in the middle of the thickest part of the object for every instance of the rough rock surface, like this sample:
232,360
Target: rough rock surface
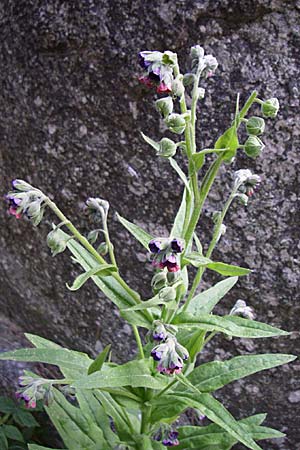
71,116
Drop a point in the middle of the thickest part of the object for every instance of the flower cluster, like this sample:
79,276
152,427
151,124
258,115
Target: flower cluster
166,253
246,183
97,209
167,436
27,201
206,65
169,353
242,309
158,70
34,389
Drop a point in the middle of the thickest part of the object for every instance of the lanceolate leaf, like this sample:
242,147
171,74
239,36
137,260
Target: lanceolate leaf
216,412
216,374
99,361
151,142
152,302
140,235
204,302
177,229
180,173
78,430
133,373
60,357
213,437
228,270
230,325
102,269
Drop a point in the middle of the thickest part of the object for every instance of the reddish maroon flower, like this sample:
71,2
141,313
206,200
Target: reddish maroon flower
162,88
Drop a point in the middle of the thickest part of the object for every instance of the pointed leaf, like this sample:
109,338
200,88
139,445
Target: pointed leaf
230,325
228,270
99,361
59,357
41,342
140,235
133,373
12,432
204,302
101,269
196,259
180,173
151,142
152,302
216,374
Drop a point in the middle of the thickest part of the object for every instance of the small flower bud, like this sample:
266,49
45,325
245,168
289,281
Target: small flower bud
164,106
241,176
167,294
102,248
210,66
188,79
97,209
167,148
159,281
197,52
21,185
243,198
201,93
159,332
255,126
270,107
176,123
177,87
253,146
241,309
56,241
93,236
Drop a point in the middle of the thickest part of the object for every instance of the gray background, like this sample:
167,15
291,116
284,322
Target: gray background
71,115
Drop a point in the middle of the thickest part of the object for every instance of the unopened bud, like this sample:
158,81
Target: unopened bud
210,66
176,123
93,236
255,126
270,107
253,146
242,309
57,242
177,87
21,185
159,281
167,147
243,198
197,52
188,79
164,106
102,249
167,294
201,93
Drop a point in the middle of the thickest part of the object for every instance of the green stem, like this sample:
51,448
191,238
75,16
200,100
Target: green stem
138,341
108,242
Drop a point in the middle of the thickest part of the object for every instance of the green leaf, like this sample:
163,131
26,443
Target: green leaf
108,285
77,430
228,270
133,373
204,302
196,259
12,432
230,325
213,437
25,418
197,162
91,406
59,357
216,374
181,174
229,140
102,269
7,405
117,413
3,440
152,302
177,229
198,244
151,142
192,340
39,447
41,342
99,361
140,235
218,414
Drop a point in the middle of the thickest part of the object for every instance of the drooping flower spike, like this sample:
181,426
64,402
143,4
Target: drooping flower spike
169,355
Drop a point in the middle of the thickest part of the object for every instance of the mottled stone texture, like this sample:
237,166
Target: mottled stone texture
71,116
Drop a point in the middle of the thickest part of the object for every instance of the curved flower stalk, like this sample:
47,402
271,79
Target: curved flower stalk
136,405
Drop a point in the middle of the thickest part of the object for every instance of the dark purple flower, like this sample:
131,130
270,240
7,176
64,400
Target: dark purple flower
155,246
171,440
171,263
177,245
158,336
156,355
142,61
154,76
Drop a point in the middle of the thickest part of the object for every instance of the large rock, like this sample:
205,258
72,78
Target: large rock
71,116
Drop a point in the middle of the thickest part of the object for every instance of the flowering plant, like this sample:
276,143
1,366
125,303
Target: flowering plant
136,405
